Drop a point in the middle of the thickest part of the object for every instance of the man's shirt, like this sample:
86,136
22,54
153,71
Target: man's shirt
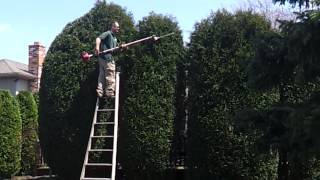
108,41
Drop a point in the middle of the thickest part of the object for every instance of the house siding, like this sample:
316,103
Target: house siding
14,85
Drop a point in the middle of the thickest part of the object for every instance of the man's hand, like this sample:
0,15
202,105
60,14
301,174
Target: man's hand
123,47
155,38
97,51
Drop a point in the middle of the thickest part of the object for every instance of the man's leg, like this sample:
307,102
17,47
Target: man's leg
110,75
101,78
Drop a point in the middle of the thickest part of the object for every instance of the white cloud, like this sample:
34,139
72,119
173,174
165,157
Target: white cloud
4,27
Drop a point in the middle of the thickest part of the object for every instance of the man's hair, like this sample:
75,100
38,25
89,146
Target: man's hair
114,22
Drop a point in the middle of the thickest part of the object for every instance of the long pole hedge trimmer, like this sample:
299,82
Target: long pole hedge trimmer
85,56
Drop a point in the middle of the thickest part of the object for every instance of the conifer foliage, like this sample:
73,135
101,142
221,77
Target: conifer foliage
29,118
221,47
149,106
10,135
67,93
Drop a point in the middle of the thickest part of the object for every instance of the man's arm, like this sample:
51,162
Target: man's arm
97,49
98,42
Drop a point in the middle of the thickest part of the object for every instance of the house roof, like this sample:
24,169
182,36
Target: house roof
9,68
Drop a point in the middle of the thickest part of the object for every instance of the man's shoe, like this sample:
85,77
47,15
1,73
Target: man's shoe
112,96
110,93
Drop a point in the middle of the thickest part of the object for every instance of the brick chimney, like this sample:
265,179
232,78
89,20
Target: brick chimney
37,53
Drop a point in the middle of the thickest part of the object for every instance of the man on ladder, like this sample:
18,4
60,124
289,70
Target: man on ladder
108,85
106,79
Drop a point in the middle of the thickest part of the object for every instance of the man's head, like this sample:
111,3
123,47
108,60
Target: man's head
115,27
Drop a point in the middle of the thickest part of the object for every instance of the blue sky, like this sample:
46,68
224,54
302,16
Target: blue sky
24,22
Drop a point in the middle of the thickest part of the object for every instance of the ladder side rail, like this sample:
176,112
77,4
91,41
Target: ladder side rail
115,132
86,159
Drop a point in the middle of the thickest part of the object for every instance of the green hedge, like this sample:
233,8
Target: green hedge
220,49
149,107
67,93
29,117
10,135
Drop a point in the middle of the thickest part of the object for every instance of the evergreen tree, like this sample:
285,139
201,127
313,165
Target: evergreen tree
220,49
301,3
29,117
67,93
10,136
288,62
149,106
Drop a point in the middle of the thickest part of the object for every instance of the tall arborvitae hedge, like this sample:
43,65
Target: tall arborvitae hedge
149,106
10,135
67,93
29,117
220,49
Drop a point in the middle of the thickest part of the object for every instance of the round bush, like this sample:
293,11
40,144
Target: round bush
220,49
67,93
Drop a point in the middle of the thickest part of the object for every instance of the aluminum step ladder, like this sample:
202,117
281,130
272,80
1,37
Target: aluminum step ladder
108,168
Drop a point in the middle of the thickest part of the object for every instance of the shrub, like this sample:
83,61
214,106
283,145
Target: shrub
10,135
67,93
220,49
149,106
29,117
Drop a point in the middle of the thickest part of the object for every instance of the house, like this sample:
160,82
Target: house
16,76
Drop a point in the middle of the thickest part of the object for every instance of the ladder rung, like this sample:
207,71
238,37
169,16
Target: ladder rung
104,123
100,150
105,109
102,136
98,164
94,178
